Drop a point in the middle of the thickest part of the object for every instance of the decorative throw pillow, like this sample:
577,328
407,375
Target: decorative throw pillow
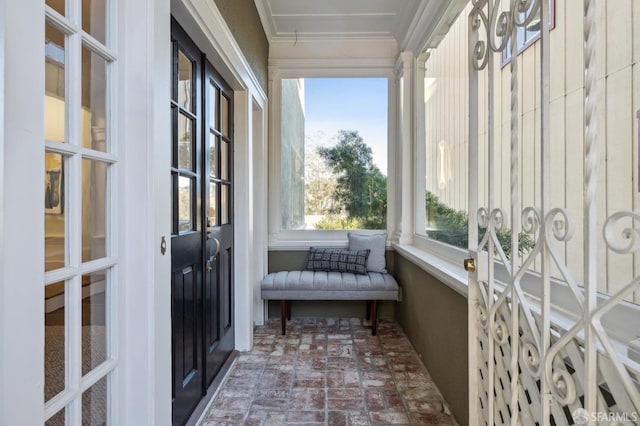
338,260
377,243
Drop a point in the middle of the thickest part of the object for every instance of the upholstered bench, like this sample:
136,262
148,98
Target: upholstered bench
356,273
321,285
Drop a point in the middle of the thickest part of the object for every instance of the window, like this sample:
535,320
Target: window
333,153
446,143
529,34
79,172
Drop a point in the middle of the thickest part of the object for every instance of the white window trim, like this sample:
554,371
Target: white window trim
280,239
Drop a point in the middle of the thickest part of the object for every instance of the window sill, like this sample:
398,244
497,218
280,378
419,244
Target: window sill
621,325
303,239
446,270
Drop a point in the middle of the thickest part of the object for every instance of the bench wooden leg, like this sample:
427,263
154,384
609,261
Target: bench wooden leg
283,316
374,317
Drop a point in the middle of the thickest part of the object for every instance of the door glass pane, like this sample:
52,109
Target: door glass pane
56,420
54,97
213,105
93,116
57,5
185,203
94,18
94,404
224,160
54,335
224,116
185,142
185,78
213,204
94,209
214,142
224,204
94,320
54,218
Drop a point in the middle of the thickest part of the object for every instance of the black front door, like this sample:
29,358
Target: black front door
202,234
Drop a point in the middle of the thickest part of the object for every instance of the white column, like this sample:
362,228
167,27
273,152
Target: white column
260,205
404,160
22,78
242,228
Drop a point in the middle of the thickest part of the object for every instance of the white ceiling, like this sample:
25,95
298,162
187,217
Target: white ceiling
333,19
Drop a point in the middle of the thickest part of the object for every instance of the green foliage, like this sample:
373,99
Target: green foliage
334,221
361,188
451,226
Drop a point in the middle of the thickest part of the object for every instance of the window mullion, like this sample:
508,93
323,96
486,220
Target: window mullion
73,194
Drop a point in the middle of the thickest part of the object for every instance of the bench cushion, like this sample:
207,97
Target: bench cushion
321,285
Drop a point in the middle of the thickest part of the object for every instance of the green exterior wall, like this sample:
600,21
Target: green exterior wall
243,20
434,317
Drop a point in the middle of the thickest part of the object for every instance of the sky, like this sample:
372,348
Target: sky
333,104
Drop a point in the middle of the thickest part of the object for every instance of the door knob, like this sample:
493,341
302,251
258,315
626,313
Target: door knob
470,264
209,264
217,247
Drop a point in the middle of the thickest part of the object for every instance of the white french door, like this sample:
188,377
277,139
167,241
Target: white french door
80,260
554,228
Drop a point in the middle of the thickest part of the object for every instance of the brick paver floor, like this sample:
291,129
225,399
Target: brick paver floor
328,372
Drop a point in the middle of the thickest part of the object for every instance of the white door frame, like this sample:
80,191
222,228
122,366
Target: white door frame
21,217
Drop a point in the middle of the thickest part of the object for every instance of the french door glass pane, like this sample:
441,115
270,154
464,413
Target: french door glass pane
213,204
224,115
57,419
54,338
54,218
185,82
185,204
57,5
94,101
94,18
213,106
94,404
224,160
94,209
54,97
94,320
185,142
214,142
224,204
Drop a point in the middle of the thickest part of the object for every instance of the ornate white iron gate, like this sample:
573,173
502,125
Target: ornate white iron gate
541,350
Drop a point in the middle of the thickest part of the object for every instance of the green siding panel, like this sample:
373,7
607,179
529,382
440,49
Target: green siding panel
243,20
434,317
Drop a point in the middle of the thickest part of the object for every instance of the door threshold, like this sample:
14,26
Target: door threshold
206,400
